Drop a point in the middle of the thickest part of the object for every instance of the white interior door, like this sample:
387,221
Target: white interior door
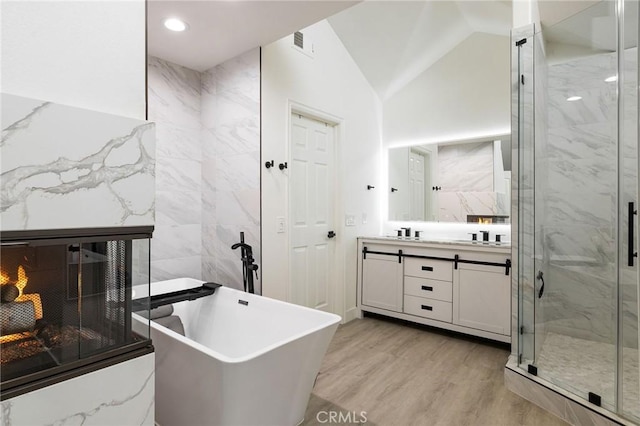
416,185
311,213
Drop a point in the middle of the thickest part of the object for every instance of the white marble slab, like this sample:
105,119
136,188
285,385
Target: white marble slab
122,394
66,167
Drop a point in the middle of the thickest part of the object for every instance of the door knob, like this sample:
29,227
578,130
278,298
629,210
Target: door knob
331,234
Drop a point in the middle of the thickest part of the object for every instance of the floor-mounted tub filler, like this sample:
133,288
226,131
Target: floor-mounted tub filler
244,359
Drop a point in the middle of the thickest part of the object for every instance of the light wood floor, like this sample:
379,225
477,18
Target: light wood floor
403,375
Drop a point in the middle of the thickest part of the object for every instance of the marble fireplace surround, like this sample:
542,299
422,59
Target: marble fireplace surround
65,167
66,170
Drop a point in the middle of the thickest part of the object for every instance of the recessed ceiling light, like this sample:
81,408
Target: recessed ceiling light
574,98
175,24
611,79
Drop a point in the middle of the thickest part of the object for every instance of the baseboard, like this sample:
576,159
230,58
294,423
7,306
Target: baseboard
351,314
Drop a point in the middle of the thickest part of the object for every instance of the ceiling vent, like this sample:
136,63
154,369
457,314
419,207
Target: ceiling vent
302,44
298,39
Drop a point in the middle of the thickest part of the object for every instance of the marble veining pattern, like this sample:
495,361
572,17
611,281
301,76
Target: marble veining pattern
175,103
466,167
128,402
231,166
106,165
208,167
574,216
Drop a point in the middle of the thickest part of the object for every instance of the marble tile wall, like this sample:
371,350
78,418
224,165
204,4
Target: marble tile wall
571,220
54,156
455,206
102,397
466,167
466,174
175,106
231,166
208,187
540,172
576,199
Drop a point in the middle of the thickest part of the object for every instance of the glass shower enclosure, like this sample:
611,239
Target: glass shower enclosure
577,205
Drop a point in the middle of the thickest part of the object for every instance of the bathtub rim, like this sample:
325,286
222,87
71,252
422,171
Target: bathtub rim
331,319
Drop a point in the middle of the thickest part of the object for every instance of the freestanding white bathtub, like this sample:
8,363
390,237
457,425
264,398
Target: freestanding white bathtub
244,360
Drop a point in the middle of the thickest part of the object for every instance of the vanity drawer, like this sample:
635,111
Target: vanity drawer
428,308
427,268
433,289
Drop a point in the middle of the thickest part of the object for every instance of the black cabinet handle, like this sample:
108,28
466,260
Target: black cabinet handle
427,288
540,276
426,307
630,252
427,268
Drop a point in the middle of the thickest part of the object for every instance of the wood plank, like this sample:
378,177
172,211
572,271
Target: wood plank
402,374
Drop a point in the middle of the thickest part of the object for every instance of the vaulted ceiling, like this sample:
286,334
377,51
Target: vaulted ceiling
392,41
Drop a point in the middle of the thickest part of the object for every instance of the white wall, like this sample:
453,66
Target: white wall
88,54
464,95
330,82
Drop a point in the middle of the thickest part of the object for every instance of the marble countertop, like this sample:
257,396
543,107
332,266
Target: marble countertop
443,241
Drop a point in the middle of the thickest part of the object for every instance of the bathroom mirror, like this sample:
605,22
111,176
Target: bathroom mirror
457,181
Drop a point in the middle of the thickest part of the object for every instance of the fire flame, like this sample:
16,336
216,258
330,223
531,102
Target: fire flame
22,280
4,277
21,283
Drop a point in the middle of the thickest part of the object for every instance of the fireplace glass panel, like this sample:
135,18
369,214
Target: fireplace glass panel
66,304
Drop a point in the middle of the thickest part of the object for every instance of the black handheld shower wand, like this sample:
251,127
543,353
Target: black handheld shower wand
248,267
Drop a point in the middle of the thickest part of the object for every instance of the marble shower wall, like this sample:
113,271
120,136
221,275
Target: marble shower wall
174,104
466,175
579,215
208,168
231,166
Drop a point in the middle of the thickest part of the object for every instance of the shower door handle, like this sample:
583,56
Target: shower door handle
630,249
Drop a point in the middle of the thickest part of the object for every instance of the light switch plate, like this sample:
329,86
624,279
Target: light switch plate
349,220
280,225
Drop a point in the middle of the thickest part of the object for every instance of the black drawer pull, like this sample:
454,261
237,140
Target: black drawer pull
427,268
427,308
427,288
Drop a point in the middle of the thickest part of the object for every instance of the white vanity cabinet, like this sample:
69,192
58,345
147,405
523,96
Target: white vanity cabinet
462,287
483,294
382,280
428,288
